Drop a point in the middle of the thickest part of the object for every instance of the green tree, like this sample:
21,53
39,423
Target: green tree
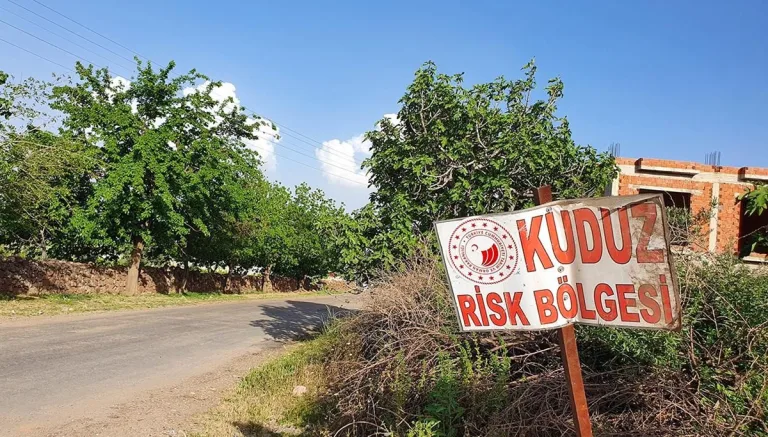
455,151
40,195
159,148
272,233
234,217
5,102
310,216
44,178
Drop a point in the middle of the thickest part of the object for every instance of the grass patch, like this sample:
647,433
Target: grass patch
53,304
263,404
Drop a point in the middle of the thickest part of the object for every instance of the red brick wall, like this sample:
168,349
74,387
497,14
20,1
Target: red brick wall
729,210
729,218
701,197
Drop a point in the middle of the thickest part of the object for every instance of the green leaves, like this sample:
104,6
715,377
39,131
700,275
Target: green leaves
756,200
458,151
172,157
756,204
5,103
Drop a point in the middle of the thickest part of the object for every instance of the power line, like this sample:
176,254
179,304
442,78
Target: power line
318,169
274,144
39,56
49,43
70,31
329,150
333,152
89,29
66,39
313,144
79,57
315,157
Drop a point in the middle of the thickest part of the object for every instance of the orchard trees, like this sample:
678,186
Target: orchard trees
42,195
43,176
154,169
165,154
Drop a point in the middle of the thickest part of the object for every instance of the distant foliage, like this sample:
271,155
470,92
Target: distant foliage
150,171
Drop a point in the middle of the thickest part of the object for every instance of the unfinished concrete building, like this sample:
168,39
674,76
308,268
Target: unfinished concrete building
696,186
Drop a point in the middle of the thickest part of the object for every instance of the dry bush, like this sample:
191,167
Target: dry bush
402,368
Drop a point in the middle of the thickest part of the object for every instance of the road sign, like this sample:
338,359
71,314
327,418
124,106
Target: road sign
600,261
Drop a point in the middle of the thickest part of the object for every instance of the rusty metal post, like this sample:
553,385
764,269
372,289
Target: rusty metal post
570,355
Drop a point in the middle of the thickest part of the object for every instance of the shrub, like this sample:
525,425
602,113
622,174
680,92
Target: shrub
402,367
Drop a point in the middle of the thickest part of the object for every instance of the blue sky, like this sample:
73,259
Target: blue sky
666,79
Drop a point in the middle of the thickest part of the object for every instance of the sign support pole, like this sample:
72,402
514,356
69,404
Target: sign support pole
570,355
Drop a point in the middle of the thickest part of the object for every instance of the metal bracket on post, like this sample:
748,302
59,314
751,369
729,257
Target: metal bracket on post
570,355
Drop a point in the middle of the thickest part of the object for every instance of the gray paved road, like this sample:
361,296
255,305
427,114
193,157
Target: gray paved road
59,370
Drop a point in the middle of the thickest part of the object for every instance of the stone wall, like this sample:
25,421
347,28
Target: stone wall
20,276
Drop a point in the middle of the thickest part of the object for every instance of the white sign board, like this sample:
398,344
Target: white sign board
602,261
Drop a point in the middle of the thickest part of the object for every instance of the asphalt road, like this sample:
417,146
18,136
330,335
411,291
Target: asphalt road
60,370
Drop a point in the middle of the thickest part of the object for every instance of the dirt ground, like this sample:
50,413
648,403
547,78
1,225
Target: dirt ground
167,411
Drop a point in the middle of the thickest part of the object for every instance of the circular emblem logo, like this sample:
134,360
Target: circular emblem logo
483,251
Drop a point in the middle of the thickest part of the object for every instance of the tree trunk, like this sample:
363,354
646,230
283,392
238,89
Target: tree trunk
43,246
230,267
132,283
185,279
267,287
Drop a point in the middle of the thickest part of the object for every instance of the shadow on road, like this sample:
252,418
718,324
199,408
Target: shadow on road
252,429
292,320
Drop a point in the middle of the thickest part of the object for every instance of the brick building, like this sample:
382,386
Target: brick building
697,186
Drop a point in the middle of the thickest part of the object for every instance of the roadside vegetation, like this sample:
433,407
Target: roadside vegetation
264,402
12,307
400,367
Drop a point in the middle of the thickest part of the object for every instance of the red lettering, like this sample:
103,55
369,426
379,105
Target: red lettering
562,291
567,255
583,217
513,308
545,307
586,313
625,303
667,305
532,244
607,309
651,312
647,211
481,305
625,254
467,310
498,316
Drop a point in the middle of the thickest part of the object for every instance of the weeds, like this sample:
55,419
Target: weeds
401,368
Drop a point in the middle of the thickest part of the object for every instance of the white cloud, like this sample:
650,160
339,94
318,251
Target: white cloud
340,163
392,119
340,160
267,135
121,84
265,144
